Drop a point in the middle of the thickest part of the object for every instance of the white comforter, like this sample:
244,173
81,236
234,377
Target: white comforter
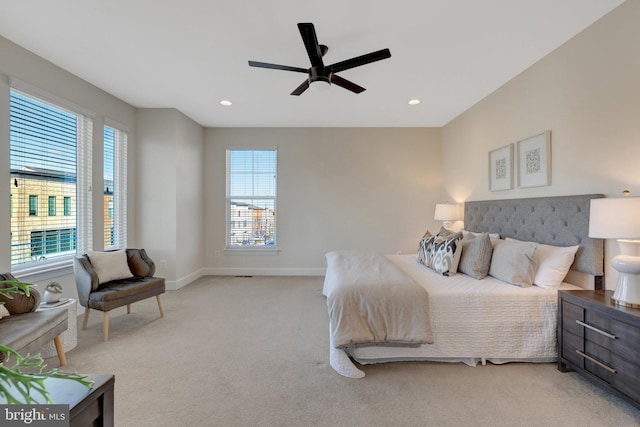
472,321
372,302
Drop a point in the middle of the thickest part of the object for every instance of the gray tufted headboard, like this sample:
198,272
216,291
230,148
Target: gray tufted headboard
559,221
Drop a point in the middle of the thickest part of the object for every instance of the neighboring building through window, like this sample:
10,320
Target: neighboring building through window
251,198
50,158
115,188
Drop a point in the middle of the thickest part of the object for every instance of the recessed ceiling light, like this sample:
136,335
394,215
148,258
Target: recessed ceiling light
226,103
414,102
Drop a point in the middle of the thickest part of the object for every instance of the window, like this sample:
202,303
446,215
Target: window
251,198
33,205
115,188
67,206
50,156
52,205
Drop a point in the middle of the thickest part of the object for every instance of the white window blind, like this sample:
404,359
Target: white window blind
251,198
115,188
50,161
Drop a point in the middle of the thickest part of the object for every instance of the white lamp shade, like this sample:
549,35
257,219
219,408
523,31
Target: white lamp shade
447,212
615,218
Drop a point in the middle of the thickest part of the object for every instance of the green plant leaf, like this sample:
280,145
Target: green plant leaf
14,286
23,382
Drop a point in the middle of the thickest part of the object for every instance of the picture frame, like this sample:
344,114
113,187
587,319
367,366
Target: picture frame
534,160
501,168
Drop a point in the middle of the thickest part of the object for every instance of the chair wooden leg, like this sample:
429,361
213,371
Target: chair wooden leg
105,326
160,305
57,341
86,318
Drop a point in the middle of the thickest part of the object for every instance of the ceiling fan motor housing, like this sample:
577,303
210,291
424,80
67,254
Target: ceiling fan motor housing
319,74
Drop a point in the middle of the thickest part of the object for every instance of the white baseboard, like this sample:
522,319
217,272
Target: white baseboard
264,271
172,285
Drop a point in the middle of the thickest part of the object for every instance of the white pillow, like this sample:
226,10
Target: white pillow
553,264
110,265
3,311
492,236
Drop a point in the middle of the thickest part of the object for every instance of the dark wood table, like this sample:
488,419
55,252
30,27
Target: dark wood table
87,407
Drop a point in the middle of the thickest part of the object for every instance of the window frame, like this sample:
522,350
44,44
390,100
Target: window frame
118,209
50,268
229,218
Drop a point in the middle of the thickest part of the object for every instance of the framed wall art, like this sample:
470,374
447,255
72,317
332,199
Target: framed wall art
501,168
534,160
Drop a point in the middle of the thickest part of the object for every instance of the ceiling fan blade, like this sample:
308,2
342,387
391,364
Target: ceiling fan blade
304,86
337,80
308,33
360,60
277,67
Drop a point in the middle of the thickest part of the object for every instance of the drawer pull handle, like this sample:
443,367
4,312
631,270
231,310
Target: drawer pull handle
602,365
600,331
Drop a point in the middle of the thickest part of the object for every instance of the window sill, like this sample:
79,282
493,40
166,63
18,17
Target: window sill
252,251
42,272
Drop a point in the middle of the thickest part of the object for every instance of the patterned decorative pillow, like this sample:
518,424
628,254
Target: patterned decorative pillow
425,242
441,252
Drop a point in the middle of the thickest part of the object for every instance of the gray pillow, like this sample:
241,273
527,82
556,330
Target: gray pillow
514,262
476,255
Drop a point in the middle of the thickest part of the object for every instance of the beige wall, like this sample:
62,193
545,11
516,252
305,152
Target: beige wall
587,92
189,200
338,188
169,205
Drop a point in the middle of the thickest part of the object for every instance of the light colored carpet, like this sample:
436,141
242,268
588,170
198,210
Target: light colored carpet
234,351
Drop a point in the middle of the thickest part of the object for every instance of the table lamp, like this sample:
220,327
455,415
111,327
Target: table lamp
447,213
619,218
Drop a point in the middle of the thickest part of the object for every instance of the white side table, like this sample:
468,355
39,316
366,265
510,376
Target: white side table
70,336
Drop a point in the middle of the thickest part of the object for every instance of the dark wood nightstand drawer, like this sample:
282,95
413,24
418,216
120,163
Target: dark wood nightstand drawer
621,338
571,343
613,369
600,340
570,314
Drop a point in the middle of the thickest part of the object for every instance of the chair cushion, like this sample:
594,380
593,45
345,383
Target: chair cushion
126,291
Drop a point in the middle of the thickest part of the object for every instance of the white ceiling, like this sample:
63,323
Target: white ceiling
190,54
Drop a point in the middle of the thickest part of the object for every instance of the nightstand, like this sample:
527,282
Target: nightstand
600,340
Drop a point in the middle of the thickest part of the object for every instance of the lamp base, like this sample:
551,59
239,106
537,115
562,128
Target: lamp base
627,291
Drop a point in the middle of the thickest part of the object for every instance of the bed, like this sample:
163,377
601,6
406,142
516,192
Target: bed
468,320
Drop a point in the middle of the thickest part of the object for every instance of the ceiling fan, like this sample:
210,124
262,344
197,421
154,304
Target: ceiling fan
319,74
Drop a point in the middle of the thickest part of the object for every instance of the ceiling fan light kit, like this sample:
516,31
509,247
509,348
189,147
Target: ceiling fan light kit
320,75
